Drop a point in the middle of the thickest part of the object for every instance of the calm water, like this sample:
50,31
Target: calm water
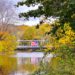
27,62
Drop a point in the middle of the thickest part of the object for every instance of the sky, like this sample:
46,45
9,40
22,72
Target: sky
24,8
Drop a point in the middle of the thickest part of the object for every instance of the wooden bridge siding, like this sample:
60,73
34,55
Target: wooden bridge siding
28,42
23,46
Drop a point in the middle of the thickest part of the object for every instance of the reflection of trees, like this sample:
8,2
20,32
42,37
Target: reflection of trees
6,65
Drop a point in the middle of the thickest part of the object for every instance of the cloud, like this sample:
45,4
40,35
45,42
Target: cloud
26,9
31,22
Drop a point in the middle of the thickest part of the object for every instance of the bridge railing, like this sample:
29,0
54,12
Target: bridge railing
31,42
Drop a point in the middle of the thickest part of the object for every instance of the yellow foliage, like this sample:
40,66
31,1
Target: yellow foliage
65,40
54,62
7,43
1,46
22,27
30,33
49,47
67,27
7,46
30,67
68,36
44,28
6,64
27,32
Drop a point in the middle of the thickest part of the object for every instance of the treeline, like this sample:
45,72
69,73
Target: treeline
31,32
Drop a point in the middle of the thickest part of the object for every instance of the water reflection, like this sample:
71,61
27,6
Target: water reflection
22,63
32,57
28,62
6,64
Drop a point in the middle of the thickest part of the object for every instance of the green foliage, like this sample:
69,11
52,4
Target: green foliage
63,9
62,64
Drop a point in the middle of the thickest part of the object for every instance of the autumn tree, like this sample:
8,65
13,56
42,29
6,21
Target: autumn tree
29,33
7,43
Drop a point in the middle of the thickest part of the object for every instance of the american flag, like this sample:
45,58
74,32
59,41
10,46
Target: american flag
34,43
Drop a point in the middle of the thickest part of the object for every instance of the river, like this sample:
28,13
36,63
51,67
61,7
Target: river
27,62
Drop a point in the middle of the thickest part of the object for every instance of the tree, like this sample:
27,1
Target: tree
7,14
29,33
7,43
63,9
56,8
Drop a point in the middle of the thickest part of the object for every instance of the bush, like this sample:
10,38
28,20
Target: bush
62,64
7,43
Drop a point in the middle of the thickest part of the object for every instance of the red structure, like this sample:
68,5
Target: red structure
34,43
